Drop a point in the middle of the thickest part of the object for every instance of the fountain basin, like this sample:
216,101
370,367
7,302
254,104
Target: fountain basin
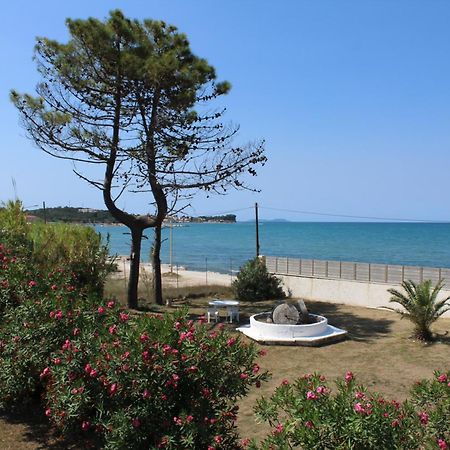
312,334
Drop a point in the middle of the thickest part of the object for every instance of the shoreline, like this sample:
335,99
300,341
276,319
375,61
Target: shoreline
185,277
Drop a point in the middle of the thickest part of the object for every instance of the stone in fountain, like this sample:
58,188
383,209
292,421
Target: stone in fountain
290,324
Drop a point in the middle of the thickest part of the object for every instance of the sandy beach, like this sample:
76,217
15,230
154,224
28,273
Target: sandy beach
184,278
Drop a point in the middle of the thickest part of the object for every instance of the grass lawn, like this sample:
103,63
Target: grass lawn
378,351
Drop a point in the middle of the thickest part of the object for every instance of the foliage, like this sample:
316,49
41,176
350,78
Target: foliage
306,415
254,283
432,397
151,381
123,381
32,329
421,305
40,247
77,248
132,97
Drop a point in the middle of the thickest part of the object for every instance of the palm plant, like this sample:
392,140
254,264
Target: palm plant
421,305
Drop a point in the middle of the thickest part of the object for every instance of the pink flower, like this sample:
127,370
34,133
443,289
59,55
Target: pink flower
177,325
395,423
348,377
146,393
113,388
178,421
101,310
123,317
57,361
262,353
53,287
322,390
360,395
309,424
144,337
310,395
423,417
231,341
218,439
113,329
442,444
285,382
48,412
110,304
278,429
243,376
189,419
32,283
85,425
442,378
136,422
45,373
255,368
76,331
359,408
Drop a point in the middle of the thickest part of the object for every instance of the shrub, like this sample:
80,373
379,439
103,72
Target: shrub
77,248
254,283
150,382
421,305
432,401
32,329
306,415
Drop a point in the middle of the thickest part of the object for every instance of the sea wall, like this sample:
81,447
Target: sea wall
348,292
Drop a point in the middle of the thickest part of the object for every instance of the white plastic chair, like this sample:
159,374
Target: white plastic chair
212,312
233,313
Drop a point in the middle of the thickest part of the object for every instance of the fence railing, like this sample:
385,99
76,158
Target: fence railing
341,270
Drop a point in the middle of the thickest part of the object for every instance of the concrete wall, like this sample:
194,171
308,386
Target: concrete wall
357,293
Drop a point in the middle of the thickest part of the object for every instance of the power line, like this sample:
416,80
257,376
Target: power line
349,216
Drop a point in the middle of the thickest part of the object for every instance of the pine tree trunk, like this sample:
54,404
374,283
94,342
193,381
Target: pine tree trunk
156,265
135,260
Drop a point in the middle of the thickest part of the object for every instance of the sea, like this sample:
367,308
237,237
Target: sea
224,247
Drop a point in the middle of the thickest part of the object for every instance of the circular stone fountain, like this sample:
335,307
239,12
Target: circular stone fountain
281,326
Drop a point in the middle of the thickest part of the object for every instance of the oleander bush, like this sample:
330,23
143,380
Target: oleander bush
254,283
306,415
150,382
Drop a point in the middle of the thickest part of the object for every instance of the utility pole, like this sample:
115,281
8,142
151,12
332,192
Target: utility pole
257,230
170,244
45,212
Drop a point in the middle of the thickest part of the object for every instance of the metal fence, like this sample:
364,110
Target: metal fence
341,270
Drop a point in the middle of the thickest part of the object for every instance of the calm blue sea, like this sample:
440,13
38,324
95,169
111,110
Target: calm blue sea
225,247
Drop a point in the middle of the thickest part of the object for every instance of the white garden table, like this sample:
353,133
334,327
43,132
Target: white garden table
231,306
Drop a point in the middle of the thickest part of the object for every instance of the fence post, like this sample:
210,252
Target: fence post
287,266
276,264
326,269
403,274
370,272
421,274
385,273
313,267
354,271
440,274
300,267
340,269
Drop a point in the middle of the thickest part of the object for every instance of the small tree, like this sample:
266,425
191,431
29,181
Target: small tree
421,305
121,94
254,283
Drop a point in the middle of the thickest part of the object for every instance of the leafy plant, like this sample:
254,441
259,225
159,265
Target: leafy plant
254,283
305,414
421,305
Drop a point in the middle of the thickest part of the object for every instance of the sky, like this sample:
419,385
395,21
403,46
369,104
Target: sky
352,98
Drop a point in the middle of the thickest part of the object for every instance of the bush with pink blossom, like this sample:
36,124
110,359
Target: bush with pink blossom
150,382
305,414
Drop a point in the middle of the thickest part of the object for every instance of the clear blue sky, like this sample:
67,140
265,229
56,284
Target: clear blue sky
352,97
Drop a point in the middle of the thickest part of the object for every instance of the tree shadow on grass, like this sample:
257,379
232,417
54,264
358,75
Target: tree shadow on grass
362,328
35,428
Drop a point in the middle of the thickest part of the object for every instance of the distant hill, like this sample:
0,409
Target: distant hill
71,214
90,215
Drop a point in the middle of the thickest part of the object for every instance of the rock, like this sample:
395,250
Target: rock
285,314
